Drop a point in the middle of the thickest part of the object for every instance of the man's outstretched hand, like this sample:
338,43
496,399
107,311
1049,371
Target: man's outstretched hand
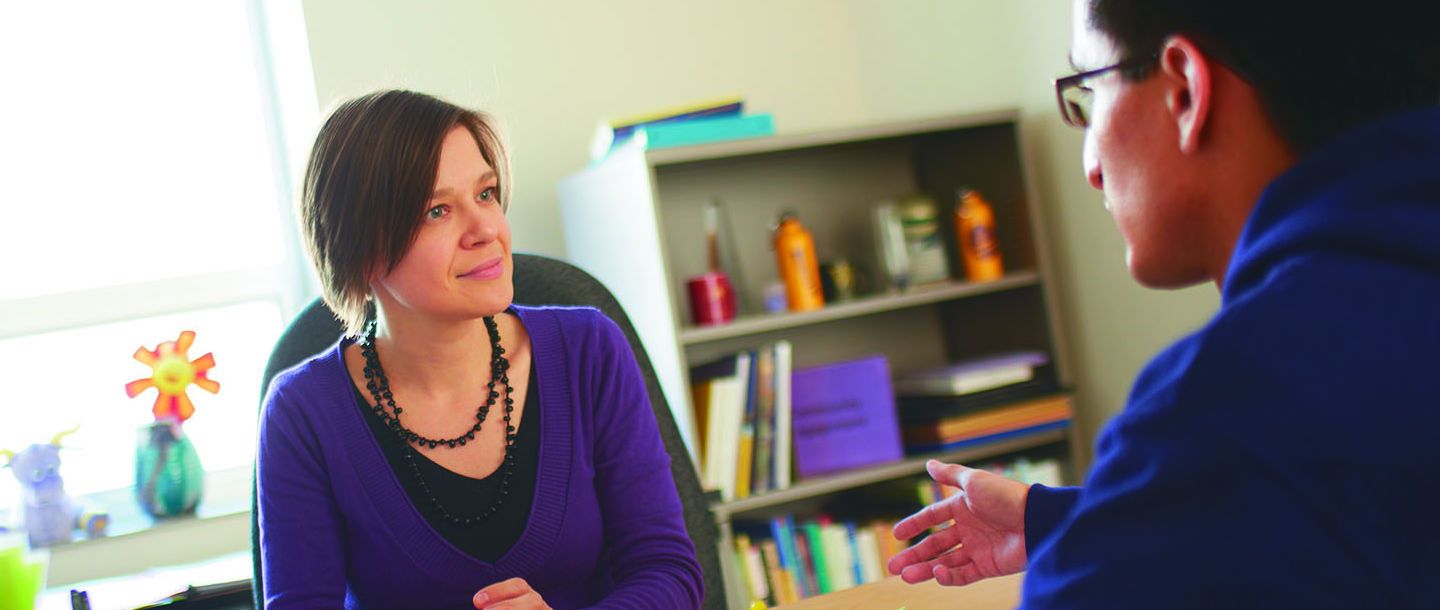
985,536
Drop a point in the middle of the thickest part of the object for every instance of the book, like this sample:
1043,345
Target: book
700,398
889,546
857,566
784,439
971,442
991,421
844,416
782,584
728,380
930,408
745,449
808,562
782,528
867,546
814,539
718,107
971,376
754,569
706,130
838,558
762,466
614,133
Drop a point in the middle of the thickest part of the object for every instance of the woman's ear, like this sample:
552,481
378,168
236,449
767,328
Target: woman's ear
1189,89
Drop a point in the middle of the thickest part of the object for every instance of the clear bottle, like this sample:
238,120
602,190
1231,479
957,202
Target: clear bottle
798,266
975,225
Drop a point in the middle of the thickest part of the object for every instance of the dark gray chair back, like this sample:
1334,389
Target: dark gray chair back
538,281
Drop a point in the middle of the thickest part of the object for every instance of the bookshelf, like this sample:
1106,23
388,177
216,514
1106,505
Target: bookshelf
920,295
812,488
634,221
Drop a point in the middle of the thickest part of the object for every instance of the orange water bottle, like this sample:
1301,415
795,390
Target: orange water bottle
975,225
799,269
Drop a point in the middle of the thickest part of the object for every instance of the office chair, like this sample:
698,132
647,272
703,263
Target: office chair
538,281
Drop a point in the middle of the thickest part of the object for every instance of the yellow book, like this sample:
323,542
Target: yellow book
993,421
681,110
742,463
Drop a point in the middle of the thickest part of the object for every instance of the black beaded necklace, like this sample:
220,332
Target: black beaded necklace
379,386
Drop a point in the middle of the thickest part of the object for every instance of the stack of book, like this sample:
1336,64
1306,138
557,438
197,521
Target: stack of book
701,122
743,413
792,560
979,401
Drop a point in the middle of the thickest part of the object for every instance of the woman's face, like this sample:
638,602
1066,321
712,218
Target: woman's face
459,267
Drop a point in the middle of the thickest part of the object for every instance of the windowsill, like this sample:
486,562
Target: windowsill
135,542
133,590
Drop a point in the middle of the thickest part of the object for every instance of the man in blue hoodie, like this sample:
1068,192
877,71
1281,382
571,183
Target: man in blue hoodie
1285,454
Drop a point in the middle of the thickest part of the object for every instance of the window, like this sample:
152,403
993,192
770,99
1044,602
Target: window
146,155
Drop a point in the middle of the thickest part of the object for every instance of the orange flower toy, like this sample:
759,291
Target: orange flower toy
168,477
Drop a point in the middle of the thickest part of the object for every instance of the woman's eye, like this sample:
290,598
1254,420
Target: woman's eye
437,212
488,194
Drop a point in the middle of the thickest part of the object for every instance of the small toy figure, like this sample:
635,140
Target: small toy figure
173,372
168,477
47,514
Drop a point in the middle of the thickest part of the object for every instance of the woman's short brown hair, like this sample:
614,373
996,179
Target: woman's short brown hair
370,174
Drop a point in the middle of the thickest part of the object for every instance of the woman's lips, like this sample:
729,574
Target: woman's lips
487,270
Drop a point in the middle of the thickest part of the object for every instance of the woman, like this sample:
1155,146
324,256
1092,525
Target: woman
454,450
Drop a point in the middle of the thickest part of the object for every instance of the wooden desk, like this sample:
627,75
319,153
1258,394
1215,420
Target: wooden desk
892,594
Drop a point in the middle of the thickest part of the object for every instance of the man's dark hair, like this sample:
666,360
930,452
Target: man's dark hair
1320,67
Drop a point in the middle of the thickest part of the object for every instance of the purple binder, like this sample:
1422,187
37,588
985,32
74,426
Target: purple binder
844,416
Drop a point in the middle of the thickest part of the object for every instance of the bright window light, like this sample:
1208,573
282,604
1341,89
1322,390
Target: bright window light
137,145
146,178
78,376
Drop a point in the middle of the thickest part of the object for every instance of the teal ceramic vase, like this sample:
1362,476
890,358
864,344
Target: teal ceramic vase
168,477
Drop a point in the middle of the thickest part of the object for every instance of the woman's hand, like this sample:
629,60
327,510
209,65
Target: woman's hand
513,594
986,533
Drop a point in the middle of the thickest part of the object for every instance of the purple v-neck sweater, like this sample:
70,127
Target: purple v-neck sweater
605,531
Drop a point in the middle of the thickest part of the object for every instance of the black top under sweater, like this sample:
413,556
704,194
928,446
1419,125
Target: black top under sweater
463,496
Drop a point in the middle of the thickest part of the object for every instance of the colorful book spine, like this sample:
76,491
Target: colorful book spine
782,582
756,580
708,130
763,464
728,106
745,450
957,445
784,439
856,568
783,528
815,541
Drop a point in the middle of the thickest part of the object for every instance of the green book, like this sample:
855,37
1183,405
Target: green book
815,536
707,130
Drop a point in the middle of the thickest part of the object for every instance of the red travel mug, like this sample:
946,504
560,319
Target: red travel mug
712,299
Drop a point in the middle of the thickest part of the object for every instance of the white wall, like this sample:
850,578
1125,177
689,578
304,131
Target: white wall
551,71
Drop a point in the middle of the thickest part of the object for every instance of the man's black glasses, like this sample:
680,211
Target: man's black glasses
1075,98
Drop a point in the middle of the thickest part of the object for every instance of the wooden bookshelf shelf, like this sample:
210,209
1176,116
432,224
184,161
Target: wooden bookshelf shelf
821,486
634,221
915,297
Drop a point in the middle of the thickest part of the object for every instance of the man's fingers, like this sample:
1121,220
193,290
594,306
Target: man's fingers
927,549
928,517
921,572
953,475
917,573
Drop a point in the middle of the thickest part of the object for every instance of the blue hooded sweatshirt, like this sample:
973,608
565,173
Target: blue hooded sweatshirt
1287,454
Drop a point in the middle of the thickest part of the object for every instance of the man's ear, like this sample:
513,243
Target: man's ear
1188,94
